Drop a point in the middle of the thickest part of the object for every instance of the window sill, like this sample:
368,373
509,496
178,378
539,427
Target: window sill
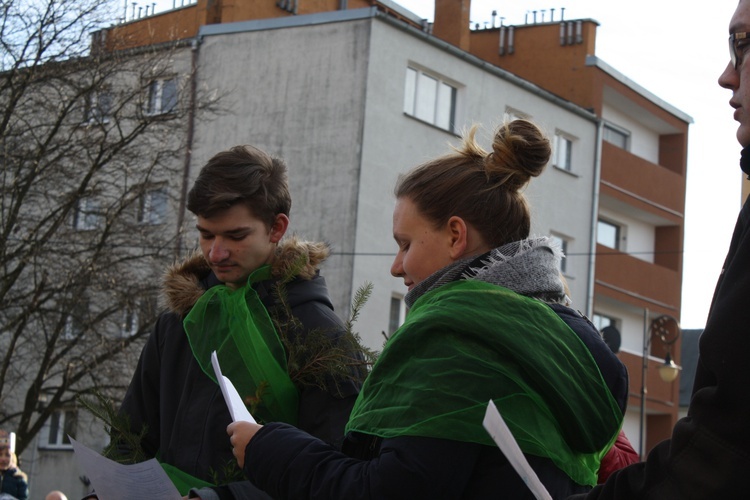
566,171
431,125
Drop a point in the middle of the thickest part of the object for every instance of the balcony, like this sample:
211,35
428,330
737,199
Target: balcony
637,282
642,183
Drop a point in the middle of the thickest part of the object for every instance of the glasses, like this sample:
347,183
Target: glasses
736,48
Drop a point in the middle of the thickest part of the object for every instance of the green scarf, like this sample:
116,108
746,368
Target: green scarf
182,480
236,325
467,342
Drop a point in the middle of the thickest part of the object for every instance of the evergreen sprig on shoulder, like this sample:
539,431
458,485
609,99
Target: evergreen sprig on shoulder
323,358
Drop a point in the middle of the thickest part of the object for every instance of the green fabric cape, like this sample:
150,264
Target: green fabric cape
467,342
236,325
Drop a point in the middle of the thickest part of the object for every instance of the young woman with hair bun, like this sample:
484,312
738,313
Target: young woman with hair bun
488,319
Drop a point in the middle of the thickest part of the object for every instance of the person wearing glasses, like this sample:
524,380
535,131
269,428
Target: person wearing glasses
708,455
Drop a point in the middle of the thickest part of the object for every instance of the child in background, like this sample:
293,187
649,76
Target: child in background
12,480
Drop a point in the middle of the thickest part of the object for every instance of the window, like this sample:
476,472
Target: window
602,321
563,152
58,430
608,234
73,328
616,136
98,107
87,215
152,206
430,99
75,321
162,96
137,314
513,114
563,243
397,315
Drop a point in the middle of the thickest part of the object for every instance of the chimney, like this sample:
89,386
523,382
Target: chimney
452,18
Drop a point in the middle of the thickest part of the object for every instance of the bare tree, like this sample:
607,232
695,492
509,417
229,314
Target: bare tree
93,161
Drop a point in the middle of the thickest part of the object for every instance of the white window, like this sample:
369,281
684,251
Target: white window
162,96
58,430
430,99
152,207
602,321
563,151
397,314
608,234
98,107
87,215
616,136
130,322
135,315
75,323
563,243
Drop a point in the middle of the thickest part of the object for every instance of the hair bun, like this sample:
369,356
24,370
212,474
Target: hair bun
520,151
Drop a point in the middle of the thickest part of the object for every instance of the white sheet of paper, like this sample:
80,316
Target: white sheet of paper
237,407
501,434
115,481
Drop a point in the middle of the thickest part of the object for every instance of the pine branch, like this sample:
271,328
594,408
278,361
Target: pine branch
124,445
323,358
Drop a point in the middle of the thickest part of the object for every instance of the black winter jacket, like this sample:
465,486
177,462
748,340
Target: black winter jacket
289,464
708,455
12,483
183,410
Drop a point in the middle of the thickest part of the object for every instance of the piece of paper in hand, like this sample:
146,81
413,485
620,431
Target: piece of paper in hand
501,434
114,481
237,407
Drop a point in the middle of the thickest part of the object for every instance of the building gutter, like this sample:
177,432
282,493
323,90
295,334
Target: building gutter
595,195
188,146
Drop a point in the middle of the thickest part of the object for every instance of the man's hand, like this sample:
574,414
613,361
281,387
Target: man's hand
240,434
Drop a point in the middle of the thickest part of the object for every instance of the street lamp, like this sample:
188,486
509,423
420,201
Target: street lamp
667,329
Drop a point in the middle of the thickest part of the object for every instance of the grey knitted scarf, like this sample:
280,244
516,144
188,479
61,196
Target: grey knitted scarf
529,267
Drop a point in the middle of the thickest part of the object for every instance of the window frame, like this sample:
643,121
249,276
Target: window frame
567,164
147,216
59,422
511,114
396,315
619,233
597,319
132,316
613,130
435,108
155,105
94,111
564,243
87,215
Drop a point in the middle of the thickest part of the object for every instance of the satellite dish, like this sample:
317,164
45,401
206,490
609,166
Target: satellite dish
612,338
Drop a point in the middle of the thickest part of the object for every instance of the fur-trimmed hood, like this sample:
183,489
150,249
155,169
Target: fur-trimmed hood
184,282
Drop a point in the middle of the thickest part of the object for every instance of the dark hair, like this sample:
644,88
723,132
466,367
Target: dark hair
243,174
482,188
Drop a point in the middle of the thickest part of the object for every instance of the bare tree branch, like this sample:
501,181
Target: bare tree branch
92,148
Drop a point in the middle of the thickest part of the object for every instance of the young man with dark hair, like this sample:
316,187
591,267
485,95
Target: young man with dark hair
260,302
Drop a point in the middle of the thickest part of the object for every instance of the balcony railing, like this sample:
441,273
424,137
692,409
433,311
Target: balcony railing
636,281
646,181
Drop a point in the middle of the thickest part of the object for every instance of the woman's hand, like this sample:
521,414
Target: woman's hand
240,434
